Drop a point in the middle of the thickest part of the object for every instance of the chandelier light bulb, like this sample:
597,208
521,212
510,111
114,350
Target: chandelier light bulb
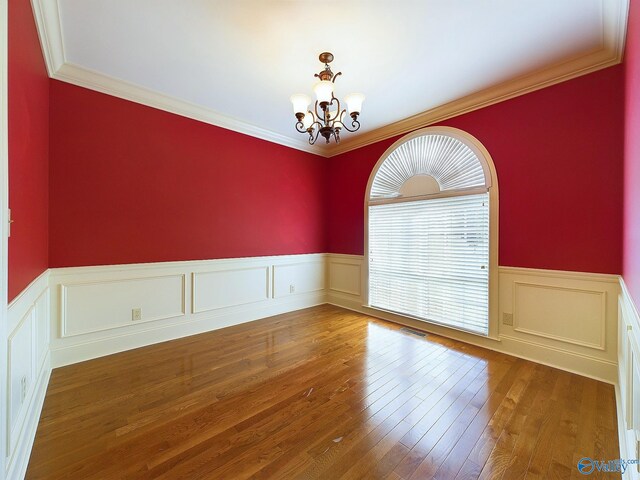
354,102
300,103
323,91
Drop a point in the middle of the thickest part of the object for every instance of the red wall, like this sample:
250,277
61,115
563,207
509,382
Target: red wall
133,184
28,149
631,269
558,155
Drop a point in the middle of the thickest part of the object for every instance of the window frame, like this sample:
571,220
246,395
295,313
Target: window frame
492,188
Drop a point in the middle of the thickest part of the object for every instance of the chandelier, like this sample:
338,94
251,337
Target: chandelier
327,116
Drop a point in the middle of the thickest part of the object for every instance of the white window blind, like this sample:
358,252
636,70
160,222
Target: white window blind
430,259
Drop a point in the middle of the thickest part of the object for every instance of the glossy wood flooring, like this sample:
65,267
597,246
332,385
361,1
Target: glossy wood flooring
320,393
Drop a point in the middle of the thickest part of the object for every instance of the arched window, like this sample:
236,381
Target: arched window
431,211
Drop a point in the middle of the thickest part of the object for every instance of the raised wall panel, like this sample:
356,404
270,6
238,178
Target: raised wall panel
566,314
103,305
304,277
344,277
227,288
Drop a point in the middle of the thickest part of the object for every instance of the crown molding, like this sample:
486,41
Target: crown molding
47,17
610,53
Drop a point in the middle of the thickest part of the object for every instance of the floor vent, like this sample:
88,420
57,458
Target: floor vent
413,332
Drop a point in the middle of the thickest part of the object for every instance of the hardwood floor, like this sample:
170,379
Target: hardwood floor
320,393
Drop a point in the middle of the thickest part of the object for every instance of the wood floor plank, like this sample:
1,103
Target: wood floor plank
321,393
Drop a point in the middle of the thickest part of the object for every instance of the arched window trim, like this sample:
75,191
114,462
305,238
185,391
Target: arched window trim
491,187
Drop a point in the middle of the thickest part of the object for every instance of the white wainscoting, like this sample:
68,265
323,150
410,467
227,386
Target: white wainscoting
93,307
563,319
628,387
28,369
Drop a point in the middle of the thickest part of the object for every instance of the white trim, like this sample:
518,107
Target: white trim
492,182
4,206
610,53
47,17
566,274
200,265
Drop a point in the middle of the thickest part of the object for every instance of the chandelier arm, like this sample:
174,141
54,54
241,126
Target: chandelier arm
300,127
300,123
313,139
355,124
333,80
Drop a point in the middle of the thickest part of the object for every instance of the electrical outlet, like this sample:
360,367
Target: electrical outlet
292,288
23,388
136,314
507,319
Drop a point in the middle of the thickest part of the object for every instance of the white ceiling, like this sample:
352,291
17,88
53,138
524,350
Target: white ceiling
241,60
